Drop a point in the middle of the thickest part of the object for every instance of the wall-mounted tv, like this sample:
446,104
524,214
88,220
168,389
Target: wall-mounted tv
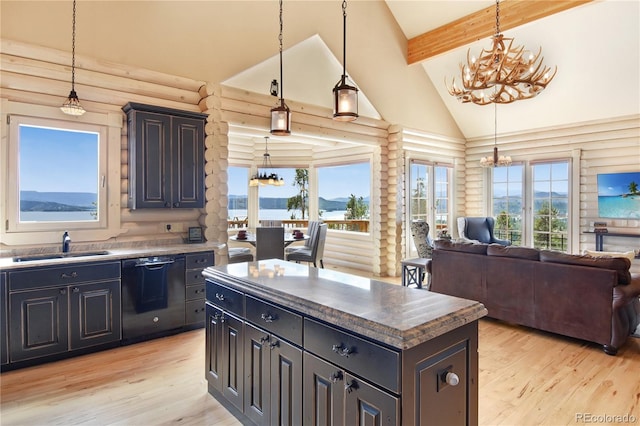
619,195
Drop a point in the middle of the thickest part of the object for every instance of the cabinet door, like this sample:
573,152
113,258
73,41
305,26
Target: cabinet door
257,388
286,383
150,161
38,323
214,347
4,335
367,405
94,314
233,367
323,403
188,162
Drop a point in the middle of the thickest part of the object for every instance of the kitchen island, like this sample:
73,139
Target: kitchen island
291,344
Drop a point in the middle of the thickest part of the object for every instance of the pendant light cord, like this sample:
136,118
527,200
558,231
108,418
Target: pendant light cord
344,40
73,48
280,40
497,17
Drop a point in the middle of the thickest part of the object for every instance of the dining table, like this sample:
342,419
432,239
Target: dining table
289,238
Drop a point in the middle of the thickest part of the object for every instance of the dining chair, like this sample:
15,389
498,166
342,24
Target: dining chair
239,255
269,243
315,253
312,230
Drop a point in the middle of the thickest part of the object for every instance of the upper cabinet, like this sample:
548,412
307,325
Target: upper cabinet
166,157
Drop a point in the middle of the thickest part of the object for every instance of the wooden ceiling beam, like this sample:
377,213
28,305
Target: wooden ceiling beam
482,24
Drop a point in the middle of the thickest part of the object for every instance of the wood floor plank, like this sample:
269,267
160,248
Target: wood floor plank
527,377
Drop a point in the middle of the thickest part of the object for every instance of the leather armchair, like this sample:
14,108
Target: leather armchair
479,229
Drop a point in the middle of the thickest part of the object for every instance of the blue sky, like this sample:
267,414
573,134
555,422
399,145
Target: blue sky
335,182
53,160
616,183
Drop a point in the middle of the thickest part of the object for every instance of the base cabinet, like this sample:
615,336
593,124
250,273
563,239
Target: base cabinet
4,332
47,316
194,290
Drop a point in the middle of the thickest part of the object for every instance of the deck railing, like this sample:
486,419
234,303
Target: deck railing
355,225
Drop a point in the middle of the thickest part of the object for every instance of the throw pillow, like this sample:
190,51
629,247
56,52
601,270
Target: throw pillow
466,247
628,254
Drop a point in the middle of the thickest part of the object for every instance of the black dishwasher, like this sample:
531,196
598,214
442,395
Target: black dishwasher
153,297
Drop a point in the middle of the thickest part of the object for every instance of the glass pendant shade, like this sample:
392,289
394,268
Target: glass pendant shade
345,105
281,120
72,105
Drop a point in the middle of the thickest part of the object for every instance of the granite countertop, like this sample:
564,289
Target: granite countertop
8,263
401,317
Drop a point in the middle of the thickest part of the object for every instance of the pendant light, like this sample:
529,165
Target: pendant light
281,115
72,105
345,105
267,177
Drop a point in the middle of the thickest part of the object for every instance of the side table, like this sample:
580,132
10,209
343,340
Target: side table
413,271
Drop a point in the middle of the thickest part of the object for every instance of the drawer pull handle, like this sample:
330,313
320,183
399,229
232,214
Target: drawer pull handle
336,377
273,345
71,275
264,339
268,317
342,350
220,296
351,386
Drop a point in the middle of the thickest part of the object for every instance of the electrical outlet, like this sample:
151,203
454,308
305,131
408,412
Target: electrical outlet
168,227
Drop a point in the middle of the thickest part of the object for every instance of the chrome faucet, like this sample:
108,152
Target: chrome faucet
66,239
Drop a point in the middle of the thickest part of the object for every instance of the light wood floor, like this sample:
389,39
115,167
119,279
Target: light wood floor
527,377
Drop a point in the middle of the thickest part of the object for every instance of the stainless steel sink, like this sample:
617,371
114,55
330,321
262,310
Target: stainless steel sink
30,258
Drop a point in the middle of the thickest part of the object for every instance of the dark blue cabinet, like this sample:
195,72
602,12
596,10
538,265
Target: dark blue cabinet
166,157
4,335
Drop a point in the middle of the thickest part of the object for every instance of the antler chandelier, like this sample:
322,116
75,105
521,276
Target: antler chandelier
503,74
266,177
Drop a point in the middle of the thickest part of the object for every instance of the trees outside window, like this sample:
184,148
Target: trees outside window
300,201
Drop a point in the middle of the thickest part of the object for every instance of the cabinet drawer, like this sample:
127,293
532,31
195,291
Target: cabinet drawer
199,260
275,319
63,275
225,297
194,276
195,292
194,311
360,356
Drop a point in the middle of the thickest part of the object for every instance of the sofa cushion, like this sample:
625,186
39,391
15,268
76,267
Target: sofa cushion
619,264
513,251
466,247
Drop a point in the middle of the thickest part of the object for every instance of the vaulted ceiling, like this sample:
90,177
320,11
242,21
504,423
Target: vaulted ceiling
595,46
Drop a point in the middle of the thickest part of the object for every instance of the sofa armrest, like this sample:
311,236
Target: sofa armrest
624,294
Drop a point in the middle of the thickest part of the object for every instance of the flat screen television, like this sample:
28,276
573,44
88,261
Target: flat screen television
619,195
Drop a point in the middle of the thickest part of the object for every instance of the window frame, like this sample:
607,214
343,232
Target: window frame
12,205
528,213
431,197
112,123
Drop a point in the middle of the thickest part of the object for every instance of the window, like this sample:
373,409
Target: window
544,223
344,192
237,207
429,193
550,205
284,202
59,173
507,203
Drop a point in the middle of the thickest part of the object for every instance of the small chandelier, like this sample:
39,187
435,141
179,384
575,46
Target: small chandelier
508,73
72,105
496,160
345,105
266,178
280,115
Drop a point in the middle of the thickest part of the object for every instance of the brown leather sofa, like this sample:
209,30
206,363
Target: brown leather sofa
593,299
